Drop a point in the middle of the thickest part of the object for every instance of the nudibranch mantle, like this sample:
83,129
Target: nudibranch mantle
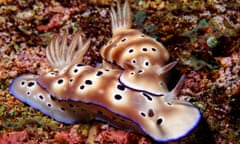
81,93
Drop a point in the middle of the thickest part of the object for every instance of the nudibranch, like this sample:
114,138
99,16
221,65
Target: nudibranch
79,93
142,57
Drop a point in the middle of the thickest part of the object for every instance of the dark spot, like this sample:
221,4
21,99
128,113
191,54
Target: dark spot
82,87
142,35
159,121
134,61
106,69
52,73
132,73
130,51
49,105
52,97
143,114
60,81
99,73
146,63
70,105
83,110
144,49
88,82
114,118
110,42
150,113
79,65
168,103
121,87
75,70
124,39
153,49
161,83
62,108
122,120
71,80
99,112
140,71
147,96
30,84
28,93
22,83
41,97
117,97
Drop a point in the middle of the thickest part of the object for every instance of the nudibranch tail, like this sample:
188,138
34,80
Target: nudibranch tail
121,18
26,89
61,56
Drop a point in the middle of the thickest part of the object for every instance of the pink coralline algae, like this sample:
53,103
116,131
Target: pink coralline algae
195,84
13,137
61,16
74,136
229,74
112,135
33,61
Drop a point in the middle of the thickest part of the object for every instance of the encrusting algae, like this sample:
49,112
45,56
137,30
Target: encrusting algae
23,45
77,93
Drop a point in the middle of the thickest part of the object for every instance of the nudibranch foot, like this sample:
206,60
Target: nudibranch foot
60,55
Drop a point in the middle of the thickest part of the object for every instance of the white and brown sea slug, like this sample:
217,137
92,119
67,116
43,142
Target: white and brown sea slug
80,93
142,58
